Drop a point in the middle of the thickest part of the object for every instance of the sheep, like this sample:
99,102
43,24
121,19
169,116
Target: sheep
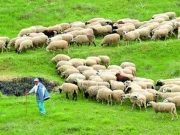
132,84
59,44
77,62
18,42
64,26
111,39
67,72
160,34
12,42
95,78
84,84
175,88
69,88
98,67
24,45
127,64
125,27
60,57
34,34
104,94
25,31
179,33
57,28
102,30
107,77
97,59
88,73
166,95
132,35
83,68
144,32
87,31
5,39
39,40
2,46
175,100
164,108
94,20
115,85
136,99
50,33
90,62
105,60
64,68
67,37
71,78
117,95
133,89
77,24
83,39
92,91
168,81
122,77
63,62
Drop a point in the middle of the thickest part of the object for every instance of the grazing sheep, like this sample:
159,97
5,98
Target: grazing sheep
39,40
106,77
83,68
133,89
92,91
18,42
67,72
160,33
105,60
50,33
77,24
67,37
90,62
2,46
111,39
12,43
83,39
164,108
24,45
175,88
88,73
64,68
77,62
69,88
104,94
175,100
136,99
72,77
97,59
117,95
25,31
115,85
60,57
95,78
84,84
132,35
122,77
127,64
5,39
63,62
102,30
58,44
166,95
144,32
87,31
64,26
98,67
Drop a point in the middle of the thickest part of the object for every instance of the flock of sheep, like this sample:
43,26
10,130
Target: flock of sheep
61,36
95,78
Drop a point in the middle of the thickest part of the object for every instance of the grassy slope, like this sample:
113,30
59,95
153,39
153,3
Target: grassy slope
154,60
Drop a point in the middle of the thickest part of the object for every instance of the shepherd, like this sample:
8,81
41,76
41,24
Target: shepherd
41,95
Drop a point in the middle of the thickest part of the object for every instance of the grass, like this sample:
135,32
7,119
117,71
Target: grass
153,59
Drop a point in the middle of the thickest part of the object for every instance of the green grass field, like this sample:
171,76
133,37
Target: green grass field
153,59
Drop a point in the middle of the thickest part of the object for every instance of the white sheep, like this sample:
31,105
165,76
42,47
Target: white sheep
72,77
168,94
175,100
105,60
90,62
77,62
92,91
84,39
2,46
160,33
5,39
84,84
88,73
63,62
164,108
25,45
175,88
83,68
60,57
39,40
69,88
115,85
58,44
67,72
98,67
132,35
104,94
111,39
127,64
136,99
95,78
117,96
97,59
102,30
64,68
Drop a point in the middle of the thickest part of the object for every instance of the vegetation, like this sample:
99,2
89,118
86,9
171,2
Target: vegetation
153,59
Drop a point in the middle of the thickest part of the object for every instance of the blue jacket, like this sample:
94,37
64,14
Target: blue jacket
40,92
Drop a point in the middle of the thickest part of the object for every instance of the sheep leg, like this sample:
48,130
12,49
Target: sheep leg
67,97
74,95
132,106
172,115
94,43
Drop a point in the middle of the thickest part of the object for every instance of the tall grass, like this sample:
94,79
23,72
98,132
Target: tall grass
153,59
